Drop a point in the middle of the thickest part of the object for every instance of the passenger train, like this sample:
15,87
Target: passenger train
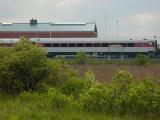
93,47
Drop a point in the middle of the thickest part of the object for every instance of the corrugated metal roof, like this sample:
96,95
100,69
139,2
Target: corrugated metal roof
27,27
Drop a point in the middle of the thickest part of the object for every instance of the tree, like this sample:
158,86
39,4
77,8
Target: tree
23,68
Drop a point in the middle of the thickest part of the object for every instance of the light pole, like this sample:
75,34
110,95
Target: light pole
105,22
117,21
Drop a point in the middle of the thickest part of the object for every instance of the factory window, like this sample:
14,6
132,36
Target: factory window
105,44
130,44
55,45
80,45
88,45
64,45
97,45
72,45
47,45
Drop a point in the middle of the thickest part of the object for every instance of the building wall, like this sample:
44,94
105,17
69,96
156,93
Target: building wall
48,34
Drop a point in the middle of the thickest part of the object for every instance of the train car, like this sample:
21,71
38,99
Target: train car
94,47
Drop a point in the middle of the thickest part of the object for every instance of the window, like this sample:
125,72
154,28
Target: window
80,45
96,44
123,44
130,44
72,45
105,44
88,45
64,45
55,45
48,45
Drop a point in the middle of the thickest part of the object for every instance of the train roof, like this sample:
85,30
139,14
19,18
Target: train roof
77,40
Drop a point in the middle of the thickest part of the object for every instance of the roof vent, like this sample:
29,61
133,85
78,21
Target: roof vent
7,24
33,21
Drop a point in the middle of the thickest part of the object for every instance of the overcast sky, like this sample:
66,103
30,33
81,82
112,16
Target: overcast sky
137,18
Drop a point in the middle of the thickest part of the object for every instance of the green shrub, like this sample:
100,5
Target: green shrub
23,68
121,84
141,59
96,99
134,97
74,85
81,58
59,100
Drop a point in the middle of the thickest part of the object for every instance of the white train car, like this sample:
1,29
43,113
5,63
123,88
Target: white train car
94,47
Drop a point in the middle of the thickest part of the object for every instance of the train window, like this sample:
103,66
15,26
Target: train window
105,44
80,45
64,45
72,45
123,44
143,44
88,45
55,45
96,44
130,44
47,45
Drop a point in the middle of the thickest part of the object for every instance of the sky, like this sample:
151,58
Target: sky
137,18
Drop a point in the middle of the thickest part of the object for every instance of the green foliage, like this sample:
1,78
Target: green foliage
123,96
90,76
58,71
144,98
74,85
141,59
23,68
81,58
23,108
59,100
96,99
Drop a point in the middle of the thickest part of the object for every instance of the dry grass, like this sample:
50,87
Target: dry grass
104,73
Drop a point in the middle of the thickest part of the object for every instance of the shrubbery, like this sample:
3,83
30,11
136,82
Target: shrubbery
123,96
74,85
23,67
141,59
81,58
96,99
59,100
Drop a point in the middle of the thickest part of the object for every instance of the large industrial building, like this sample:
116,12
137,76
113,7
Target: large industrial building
48,30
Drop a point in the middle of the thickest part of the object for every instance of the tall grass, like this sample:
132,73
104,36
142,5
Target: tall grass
37,107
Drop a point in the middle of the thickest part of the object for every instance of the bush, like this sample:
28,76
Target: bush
144,97
23,68
74,85
96,99
120,86
58,71
81,58
59,100
141,59
134,97
123,96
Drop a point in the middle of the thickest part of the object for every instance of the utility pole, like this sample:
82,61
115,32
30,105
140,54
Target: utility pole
105,22
117,21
